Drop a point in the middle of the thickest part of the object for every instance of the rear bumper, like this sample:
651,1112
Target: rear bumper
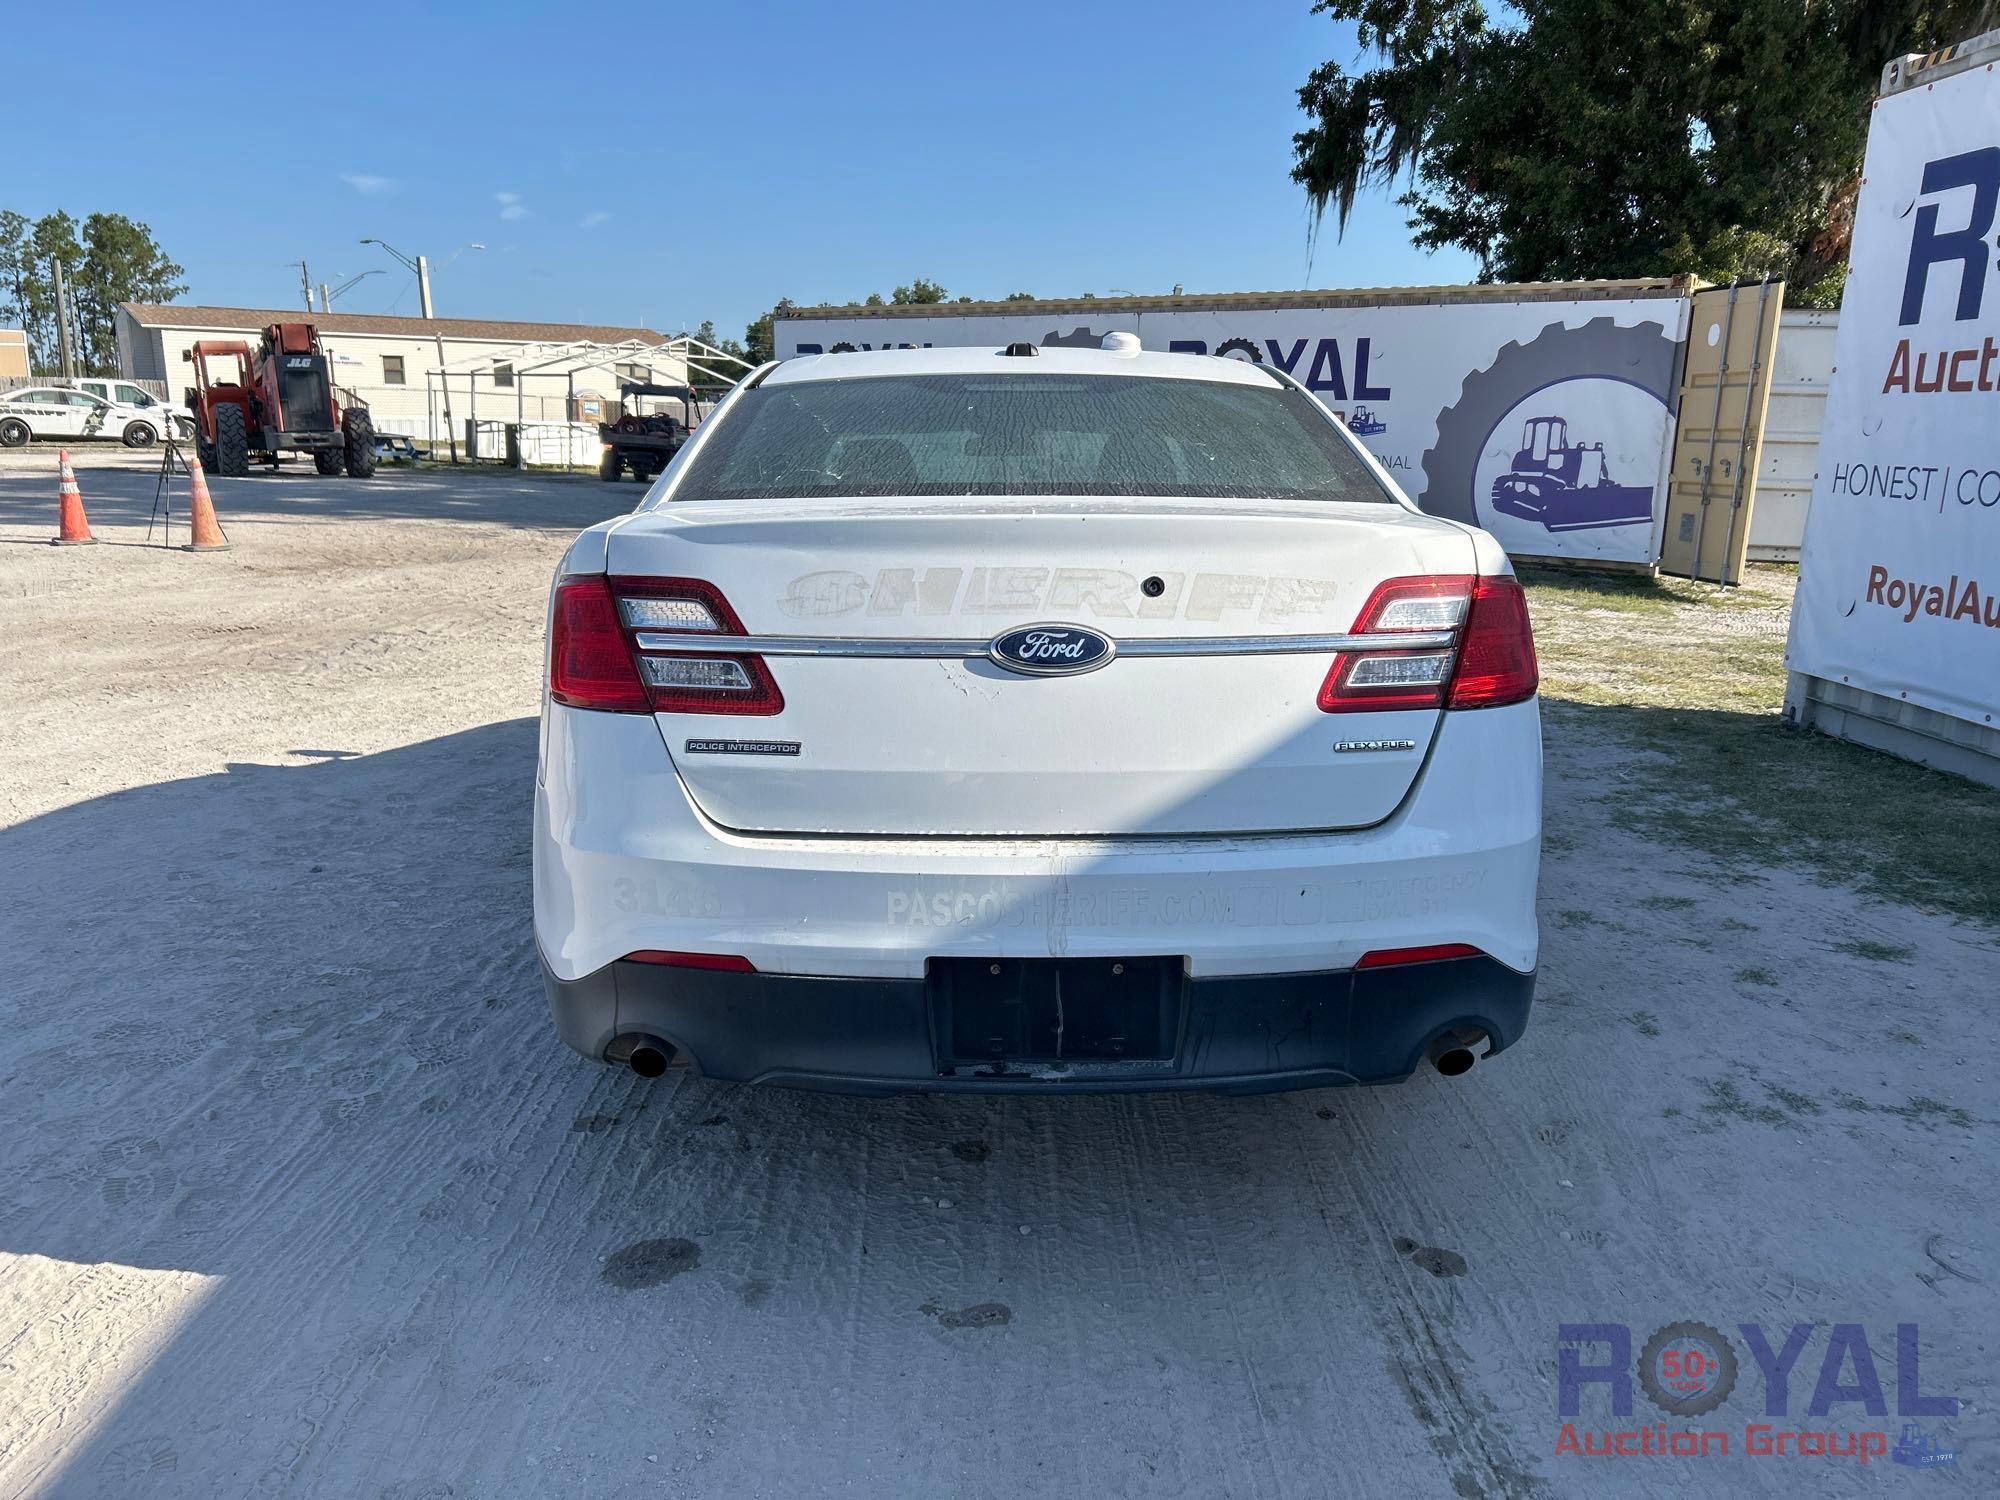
1247,1033
843,932
624,861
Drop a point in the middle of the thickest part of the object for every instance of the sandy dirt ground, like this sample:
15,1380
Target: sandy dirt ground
302,1195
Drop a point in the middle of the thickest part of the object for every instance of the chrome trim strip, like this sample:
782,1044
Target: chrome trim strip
948,650
1288,645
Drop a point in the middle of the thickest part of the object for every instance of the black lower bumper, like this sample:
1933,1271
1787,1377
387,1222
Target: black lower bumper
1234,1034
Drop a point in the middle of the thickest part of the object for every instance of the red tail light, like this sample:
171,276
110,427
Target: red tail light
590,665
730,963
603,652
1496,657
1490,663
1387,958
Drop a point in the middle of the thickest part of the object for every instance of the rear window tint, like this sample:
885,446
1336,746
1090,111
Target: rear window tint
1026,435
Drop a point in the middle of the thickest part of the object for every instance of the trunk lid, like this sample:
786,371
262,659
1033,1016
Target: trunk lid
937,745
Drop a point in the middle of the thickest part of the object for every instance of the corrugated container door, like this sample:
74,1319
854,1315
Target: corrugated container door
1725,386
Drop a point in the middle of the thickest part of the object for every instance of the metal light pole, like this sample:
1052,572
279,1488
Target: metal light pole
326,296
421,267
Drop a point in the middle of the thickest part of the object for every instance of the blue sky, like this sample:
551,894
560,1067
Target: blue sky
699,161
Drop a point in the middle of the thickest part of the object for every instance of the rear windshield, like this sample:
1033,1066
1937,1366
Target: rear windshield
1026,435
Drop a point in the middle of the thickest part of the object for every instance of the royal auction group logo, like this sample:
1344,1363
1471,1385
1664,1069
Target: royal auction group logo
1689,1370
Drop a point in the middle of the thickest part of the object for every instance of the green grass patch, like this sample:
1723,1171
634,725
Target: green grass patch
1747,792
1695,676
1764,587
1921,1110
1629,593
1881,953
1724,1098
1793,1100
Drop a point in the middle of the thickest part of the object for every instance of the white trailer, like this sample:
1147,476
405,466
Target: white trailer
1895,639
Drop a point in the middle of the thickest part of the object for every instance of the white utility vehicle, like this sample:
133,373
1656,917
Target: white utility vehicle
129,393
55,411
1036,719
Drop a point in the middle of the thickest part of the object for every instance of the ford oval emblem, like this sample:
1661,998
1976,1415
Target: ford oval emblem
1051,650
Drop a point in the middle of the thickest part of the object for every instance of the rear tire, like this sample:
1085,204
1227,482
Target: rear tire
357,431
140,435
232,442
327,460
608,466
13,432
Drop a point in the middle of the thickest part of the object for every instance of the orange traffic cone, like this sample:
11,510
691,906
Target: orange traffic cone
205,532
73,526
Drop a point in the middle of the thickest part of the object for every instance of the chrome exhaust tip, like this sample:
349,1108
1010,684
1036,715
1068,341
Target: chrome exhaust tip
650,1059
647,1056
1452,1054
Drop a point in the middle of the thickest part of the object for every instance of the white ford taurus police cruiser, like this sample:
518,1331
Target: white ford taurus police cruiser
58,412
1036,718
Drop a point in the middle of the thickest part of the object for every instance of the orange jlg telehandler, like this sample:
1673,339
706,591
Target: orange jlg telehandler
273,400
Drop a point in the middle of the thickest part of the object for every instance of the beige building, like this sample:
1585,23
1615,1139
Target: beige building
13,353
405,369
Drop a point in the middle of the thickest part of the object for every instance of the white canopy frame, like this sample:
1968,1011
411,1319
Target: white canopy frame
679,359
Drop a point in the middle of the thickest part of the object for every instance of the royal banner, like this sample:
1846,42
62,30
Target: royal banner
1899,589
1546,421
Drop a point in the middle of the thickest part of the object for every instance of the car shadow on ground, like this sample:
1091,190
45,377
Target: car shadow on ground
282,1027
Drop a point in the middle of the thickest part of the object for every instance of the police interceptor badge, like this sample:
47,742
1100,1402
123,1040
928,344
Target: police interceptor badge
741,747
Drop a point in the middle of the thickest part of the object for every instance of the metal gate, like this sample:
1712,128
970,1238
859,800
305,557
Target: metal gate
1725,386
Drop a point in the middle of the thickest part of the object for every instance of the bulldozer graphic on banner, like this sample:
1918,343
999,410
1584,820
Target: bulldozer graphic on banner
1566,486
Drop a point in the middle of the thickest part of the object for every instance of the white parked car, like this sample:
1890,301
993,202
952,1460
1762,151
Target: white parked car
1036,719
127,393
63,412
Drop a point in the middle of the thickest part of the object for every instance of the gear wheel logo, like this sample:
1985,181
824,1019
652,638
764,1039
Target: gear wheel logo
1638,356
1239,349
1688,1369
